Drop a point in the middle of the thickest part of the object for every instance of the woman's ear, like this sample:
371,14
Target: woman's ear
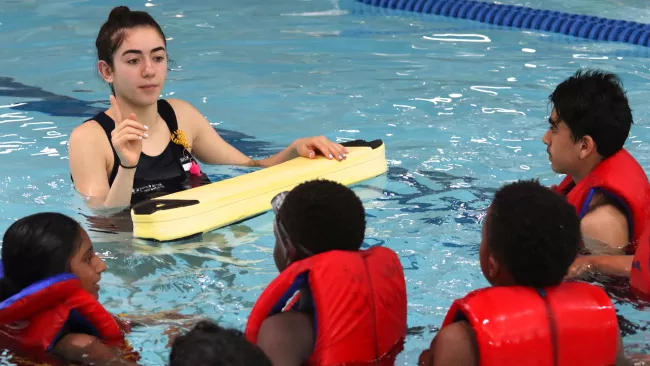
105,71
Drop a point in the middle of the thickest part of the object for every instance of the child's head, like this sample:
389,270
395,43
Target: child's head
46,244
316,217
208,344
530,237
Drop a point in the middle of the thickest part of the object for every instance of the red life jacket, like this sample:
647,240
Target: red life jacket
34,318
640,272
359,304
621,177
570,324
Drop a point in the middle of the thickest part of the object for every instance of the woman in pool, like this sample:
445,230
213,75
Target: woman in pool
142,146
49,290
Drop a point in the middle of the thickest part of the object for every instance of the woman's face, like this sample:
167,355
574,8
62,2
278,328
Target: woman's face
86,265
139,66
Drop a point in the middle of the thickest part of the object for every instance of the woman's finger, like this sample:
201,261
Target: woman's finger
132,131
324,149
130,123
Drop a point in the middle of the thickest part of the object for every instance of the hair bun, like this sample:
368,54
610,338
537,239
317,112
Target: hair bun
118,12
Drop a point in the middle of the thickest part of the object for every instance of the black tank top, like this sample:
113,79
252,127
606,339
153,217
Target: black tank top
156,175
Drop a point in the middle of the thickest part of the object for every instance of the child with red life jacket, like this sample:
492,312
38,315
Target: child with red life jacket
208,344
49,286
49,290
609,190
351,307
530,238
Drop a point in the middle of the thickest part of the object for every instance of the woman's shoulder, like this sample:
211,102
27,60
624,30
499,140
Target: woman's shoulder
88,132
181,106
89,140
189,118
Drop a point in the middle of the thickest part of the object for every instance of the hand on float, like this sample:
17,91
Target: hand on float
127,136
581,266
307,147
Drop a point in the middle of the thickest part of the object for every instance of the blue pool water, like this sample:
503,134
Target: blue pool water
461,106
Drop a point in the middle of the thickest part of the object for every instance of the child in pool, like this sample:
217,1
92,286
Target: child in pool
351,307
208,344
530,237
49,290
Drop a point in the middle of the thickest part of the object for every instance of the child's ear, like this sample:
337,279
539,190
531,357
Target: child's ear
291,255
494,268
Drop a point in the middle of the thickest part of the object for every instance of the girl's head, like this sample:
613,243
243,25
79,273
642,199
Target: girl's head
132,53
46,244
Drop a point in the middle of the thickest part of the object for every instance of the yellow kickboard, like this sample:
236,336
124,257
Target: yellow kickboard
202,209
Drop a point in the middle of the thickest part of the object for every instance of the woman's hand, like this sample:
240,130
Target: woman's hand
127,136
307,147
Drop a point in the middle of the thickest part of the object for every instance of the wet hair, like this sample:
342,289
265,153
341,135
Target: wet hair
593,103
322,215
533,232
208,344
113,31
37,247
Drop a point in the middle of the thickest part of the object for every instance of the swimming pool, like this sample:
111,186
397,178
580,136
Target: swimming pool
461,114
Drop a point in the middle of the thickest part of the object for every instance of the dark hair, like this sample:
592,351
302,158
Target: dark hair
593,103
533,232
113,31
322,215
37,247
208,344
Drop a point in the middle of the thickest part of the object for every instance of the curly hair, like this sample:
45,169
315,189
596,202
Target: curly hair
208,344
533,232
322,215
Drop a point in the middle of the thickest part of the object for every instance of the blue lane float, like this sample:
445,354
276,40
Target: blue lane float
576,25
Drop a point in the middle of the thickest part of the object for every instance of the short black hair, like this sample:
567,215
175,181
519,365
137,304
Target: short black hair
36,247
593,103
208,344
322,215
533,232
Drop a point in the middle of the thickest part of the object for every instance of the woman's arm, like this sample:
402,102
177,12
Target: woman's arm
88,165
210,148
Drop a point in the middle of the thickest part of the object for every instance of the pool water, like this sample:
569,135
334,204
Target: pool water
461,107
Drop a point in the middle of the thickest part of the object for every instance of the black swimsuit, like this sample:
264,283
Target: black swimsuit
156,175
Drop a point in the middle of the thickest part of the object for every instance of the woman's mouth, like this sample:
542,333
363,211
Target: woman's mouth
148,86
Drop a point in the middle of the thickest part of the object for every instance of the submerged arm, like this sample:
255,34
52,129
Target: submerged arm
83,348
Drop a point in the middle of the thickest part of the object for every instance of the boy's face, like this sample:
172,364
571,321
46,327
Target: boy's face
563,153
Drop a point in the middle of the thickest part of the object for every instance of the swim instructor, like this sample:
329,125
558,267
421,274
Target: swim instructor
143,146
